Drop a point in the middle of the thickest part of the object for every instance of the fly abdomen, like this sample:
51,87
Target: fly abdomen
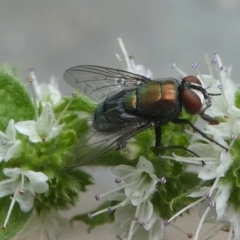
111,115
107,119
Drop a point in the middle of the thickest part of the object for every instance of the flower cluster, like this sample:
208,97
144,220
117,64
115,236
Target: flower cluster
34,148
43,134
23,185
216,167
135,202
137,214
134,207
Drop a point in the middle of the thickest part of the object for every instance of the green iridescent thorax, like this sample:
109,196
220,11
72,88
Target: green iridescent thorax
163,94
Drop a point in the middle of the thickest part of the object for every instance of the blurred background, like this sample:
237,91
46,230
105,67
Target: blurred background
54,35
51,36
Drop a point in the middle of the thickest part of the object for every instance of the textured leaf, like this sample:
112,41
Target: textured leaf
16,221
15,101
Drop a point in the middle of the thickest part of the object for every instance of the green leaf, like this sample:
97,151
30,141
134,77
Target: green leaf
13,71
171,196
64,188
232,176
16,221
15,101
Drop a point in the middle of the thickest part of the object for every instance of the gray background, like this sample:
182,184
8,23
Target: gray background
54,35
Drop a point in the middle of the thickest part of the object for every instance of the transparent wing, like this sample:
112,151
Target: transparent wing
97,82
95,144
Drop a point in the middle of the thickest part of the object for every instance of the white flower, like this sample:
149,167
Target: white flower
9,146
230,126
44,129
213,162
23,185
215,208
140,181
219,82
208,207
130,64
140,184
146,225
233,218
46,93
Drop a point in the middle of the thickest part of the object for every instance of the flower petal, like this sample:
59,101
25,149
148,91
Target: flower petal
222,199
209,82
35,138
46,121
233,111
14,151
54,131
3,136
145,211
208,172
158,230
225,160
26,201
38,181
222,129
6,187
141,70
144,165
10,131
12,172
122,170
204,150
236,127
26,127
202,191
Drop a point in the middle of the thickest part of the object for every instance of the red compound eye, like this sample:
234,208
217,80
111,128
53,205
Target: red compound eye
191,101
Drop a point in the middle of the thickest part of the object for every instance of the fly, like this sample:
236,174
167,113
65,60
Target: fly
130,103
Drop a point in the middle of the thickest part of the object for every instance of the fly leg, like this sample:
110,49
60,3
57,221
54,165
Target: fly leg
209,119
186,121
158,138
